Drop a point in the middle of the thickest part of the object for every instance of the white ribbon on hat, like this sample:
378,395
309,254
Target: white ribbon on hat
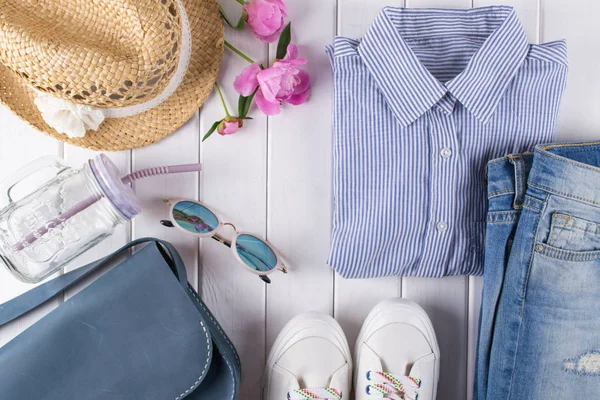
73,119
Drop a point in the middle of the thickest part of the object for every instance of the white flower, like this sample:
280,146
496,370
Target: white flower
67,117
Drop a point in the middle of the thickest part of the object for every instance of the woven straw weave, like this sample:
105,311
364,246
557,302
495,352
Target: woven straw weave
108,53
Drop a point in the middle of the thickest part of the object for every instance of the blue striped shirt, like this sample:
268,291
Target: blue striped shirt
420,104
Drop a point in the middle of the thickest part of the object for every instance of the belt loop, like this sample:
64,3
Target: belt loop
520,180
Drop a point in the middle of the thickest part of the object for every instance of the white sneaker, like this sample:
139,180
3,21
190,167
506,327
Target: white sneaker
397,355
310,360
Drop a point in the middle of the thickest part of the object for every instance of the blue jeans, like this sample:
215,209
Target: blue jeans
540,320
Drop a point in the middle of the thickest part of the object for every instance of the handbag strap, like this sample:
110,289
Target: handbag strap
37,296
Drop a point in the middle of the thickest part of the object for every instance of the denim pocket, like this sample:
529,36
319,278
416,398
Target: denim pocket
574,234
580,256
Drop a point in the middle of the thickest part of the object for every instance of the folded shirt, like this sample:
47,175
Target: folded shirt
420,104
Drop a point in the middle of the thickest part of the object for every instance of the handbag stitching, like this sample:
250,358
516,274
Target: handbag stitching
216,324
205,365
195,295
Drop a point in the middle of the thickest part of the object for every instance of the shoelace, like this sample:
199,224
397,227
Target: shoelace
320,394
393,387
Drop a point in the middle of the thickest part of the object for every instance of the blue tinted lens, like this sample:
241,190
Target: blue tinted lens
194,217
255,253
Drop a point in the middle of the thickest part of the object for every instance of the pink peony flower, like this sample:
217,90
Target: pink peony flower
229,126
266,18
246,82
282,82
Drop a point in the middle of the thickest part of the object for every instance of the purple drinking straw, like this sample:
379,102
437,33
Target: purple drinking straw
84,204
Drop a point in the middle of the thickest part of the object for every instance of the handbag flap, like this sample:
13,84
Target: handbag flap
132,334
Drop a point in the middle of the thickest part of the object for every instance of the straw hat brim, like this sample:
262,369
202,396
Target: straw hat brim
153,125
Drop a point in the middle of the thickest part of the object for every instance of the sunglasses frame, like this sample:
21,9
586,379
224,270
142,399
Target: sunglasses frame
280,266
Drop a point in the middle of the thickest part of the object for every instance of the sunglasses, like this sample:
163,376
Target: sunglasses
254,253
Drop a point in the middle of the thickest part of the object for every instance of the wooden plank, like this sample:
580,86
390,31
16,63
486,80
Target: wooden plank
577,22
354,299
474,310
527,10
299,189
445,300
178,148
356,16
529,15
234,183
20,144
439,3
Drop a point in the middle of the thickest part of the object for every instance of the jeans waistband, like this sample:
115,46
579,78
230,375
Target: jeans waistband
508,175
568,169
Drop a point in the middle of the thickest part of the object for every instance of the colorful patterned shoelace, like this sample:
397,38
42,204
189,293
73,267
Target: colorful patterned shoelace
394,387
320,394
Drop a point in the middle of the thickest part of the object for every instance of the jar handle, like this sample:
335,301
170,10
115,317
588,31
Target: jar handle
27,170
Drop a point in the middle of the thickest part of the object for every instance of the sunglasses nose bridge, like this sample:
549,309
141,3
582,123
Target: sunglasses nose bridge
231,225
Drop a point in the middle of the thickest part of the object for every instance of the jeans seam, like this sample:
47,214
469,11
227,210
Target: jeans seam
531,207
500,192
569,255
584,146
531,255
520,180
497,160
568,161
550,190
571,219
522,304
565,226
518,346
534,200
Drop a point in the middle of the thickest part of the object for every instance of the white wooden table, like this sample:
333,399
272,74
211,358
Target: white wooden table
274,178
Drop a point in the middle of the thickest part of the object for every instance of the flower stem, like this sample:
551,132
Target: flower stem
222,99
242,2
239,53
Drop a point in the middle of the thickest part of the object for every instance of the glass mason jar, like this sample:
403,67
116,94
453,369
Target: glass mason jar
66,216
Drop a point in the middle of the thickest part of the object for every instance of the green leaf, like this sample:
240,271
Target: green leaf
212,129
242,21
244,104
284,41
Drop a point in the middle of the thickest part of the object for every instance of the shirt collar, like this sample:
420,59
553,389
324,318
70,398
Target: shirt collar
409,88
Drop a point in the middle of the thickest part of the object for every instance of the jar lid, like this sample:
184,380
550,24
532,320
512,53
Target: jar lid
119,194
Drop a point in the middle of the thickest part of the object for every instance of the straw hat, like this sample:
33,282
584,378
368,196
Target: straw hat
124,73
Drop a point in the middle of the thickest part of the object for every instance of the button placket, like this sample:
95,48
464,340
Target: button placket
442,181
444,170
446,180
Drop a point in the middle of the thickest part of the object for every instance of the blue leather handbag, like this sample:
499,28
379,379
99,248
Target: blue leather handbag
139,332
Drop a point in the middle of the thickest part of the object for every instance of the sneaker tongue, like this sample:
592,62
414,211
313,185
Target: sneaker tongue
338,386
340,379
282,382
315,393
424,369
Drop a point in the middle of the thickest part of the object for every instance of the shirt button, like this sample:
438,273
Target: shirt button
442,226
446,152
